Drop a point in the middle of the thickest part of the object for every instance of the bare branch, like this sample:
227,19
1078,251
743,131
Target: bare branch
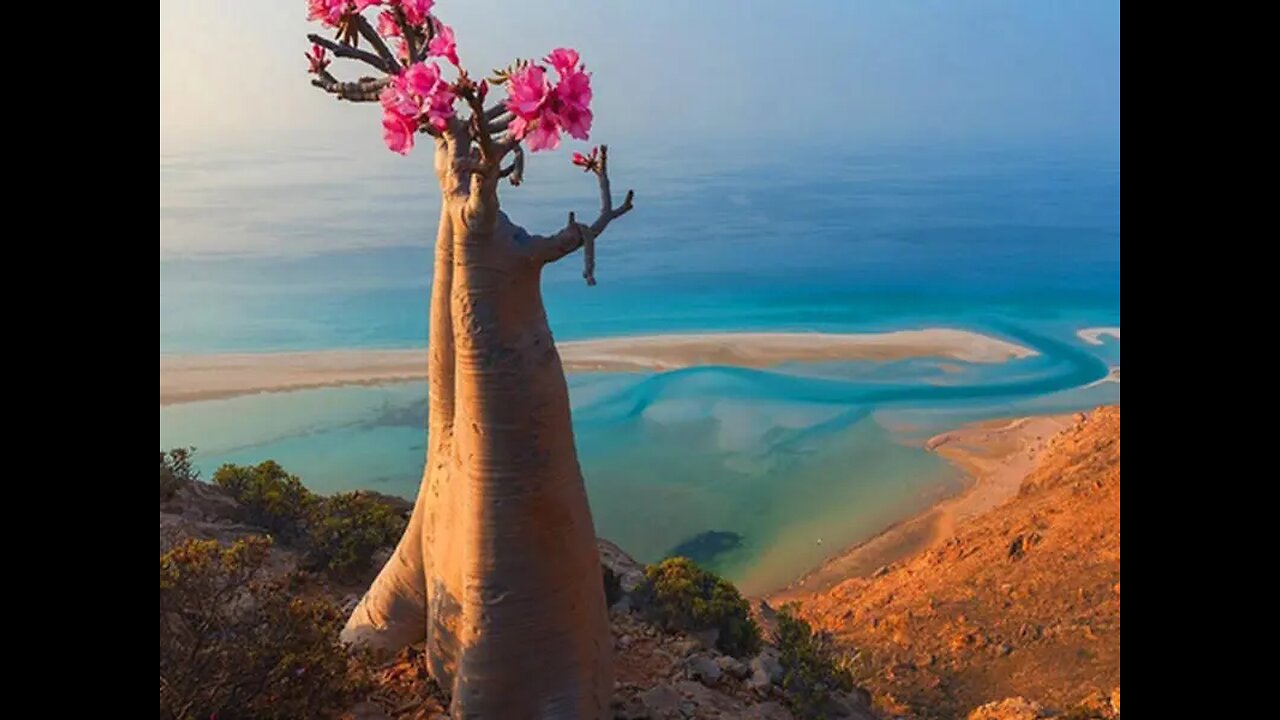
367,31
607,211
493,112
576,235
346,51
407,32
365,89
516,168
499,124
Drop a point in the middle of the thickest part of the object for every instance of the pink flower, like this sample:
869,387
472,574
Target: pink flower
387,25
575,120
402,50
518,127
545,134
328,12
574,89
416,11
398,98
440,106
397,131
422,78
564,60
443,45
526,92
317,60
482,89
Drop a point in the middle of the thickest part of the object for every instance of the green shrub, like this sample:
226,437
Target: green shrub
812,666
176,470
272,498
683,596
345,530
233,645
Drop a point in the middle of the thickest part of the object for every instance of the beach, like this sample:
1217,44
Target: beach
191,378
995,455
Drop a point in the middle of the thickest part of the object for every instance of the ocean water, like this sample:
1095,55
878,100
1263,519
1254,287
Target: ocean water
759,474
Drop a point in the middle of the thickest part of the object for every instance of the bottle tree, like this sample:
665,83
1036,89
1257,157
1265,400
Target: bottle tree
498,569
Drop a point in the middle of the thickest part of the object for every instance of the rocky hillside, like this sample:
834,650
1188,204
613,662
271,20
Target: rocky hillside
1017,611
660,675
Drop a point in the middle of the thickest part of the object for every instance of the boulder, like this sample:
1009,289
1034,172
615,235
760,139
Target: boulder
704,669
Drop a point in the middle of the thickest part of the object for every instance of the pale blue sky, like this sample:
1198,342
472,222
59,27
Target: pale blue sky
232,71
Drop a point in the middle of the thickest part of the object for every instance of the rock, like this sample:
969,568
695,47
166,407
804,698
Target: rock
765,670
625,641
202,501
733,667
848,705
1098,704
660,701
697,693
704,669
767,711
630,573
1016,708
685,647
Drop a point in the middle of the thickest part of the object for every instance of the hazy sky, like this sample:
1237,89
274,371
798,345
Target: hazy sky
233,72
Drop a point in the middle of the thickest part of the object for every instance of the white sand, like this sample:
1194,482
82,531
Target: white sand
205,377
1094,336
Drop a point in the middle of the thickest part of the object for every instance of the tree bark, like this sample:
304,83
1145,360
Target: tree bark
498,570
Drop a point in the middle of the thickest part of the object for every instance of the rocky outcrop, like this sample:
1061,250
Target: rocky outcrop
1020,603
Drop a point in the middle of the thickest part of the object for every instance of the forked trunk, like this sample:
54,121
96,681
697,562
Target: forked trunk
498,570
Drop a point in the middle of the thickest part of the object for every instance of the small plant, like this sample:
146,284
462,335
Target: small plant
345,530
233,645
176,470
813,668
683,596
273,499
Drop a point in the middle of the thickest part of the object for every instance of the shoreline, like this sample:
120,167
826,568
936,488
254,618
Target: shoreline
994,455
193,378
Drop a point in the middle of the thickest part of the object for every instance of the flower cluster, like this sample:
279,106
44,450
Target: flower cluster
543,106
541,110
331,12
417,95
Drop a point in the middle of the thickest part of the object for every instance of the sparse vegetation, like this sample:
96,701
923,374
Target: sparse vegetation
683,596
236,645
338,534
176,469
272,498
345,530
812,665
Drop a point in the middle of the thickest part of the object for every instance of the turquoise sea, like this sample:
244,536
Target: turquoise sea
293,248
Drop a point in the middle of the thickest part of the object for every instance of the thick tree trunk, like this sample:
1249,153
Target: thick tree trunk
498,569
393,613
